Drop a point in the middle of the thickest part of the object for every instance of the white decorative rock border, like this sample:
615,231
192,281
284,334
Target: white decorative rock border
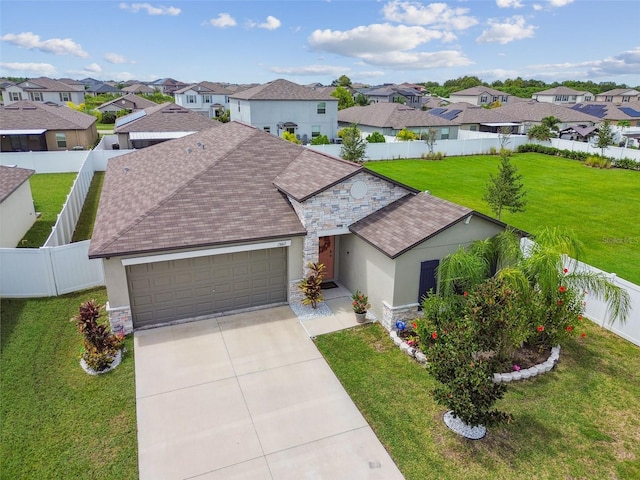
461,428
531,372
406,348
114,364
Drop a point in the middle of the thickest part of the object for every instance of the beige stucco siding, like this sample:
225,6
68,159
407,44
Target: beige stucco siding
85,138
407,270
17,215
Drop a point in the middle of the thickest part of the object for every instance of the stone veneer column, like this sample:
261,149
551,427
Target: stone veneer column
120,319
405,313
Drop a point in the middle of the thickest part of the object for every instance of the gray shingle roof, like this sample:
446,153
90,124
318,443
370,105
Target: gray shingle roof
560,91
11,178
168,117
206,88
407,222
44,84
283,90
533,111
131,102
479,90
391,115
32,115
208,188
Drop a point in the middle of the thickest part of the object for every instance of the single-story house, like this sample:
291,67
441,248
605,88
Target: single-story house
137,88
17,213
130,103
474,118
390,118
227,219
531,113
612,112
34,126
157,124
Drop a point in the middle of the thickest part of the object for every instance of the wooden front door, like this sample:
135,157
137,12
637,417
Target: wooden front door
326,254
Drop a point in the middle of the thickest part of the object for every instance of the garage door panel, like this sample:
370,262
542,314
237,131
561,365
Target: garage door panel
172,290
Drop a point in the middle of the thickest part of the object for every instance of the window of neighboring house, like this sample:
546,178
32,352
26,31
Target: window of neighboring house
483,99
267,129
608,98
207,99
191,99
15,96
322,108
61,140
65,97
315,131
587,98
238,105
35,96
626,99
495,99
558,98
473,128
444,133
291,130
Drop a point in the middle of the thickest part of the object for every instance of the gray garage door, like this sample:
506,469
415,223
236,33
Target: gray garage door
162,292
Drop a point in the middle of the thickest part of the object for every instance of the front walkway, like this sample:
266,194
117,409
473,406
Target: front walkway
249,396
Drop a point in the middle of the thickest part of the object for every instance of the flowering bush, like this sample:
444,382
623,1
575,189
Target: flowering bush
360,302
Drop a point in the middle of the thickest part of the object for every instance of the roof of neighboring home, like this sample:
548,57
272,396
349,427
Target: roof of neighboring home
609,111
463,113
131,101
434,102
44,84
560,91
102,88
11,178
33,115
479,90
394,230
138,88
283,90
391,115
206,87
533,111
621,91
166,117
209,188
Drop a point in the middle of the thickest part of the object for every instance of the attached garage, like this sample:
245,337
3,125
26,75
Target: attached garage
166,291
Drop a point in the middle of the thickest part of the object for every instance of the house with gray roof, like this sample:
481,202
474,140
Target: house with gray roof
619,95
227,219
474,118
613,112
138,88
34,126
389,118
17,212
480,95
130,103
157,124
563,96
283,106
390,93
43,90
532,112
206,98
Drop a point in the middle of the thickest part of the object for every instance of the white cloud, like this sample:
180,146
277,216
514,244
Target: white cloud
418,60
150,9
537,7
29,69
559,3
309,70
272,23
509,4
57,46
514,28
94,68
495,74
372,39
625,63
223,20
117,58
434,14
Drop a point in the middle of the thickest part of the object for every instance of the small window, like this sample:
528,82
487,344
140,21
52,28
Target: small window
191,99
36,96
587,98
315,131
207,99
291,130
15,96
608,98
65,97
444,133
484,99
322,108
61,140
238,105
473,128
267,129
626,99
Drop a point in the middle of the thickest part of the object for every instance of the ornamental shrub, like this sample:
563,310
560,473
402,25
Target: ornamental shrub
376,137
311,285
100,345
320,140
108,117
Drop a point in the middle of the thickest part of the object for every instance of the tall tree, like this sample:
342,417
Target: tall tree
605,136
342,81
505,190
551,123
345,99
354,147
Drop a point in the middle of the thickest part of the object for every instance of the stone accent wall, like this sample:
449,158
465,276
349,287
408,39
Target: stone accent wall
405,313
120,319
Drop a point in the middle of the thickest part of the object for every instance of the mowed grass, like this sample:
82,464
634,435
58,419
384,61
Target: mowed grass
49,191
602,207
56,421
84,227
579,421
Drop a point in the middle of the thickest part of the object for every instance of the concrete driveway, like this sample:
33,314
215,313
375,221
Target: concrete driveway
247,396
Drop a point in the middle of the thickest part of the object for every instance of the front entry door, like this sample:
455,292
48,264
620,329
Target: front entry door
325,255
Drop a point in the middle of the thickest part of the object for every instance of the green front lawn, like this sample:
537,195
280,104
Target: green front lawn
56,421
602,207
49,191
578,421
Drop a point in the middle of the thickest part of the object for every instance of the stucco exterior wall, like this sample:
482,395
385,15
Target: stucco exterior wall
85,138
17,215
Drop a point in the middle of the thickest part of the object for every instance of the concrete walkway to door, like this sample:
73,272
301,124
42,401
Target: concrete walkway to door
247,396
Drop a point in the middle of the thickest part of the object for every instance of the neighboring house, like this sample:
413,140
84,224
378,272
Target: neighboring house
206,98
480,95
563,96
282,106
101,89
137,88
619,95
43,90
613,112
31,126
532,112
130,103
227,219
474,118
167,86
389,93
158,124
390,118
17,213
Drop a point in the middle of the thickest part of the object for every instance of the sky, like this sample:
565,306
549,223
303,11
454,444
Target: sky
305,41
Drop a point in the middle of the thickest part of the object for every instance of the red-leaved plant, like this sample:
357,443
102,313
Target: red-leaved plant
100,345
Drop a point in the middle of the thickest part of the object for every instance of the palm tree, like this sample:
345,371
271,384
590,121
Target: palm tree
551,123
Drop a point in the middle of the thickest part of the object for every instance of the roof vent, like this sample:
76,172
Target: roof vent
189,150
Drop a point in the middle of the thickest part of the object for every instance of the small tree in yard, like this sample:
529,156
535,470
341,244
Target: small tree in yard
505,190
311,285
405,135
100,345
504,137
354,147
539,132
429,138
605,136
376,137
